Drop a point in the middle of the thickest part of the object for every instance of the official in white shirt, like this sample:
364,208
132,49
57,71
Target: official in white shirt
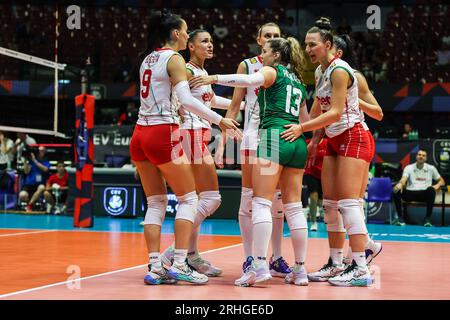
416,184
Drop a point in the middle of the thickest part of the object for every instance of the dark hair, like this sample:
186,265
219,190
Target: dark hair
268,24
290,53
60,162
193,34
344,43
322,26
323,23
161,25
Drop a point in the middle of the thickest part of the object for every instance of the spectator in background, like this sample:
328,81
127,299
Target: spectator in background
56,189
290,28
407,129
344,27
130,116
416,185
36,170
6,151
123,70
443,56
23,142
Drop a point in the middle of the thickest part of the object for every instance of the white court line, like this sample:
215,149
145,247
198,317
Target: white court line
101,274
25,233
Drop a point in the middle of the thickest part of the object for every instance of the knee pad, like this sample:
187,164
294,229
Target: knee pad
156,209
277,206
351,215
208,202
187,206
245,208
261,210
295,216
332,217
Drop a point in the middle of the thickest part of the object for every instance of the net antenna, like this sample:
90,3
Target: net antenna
46,63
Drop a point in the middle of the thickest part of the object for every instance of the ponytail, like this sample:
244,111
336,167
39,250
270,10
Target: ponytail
290,53
297,57
160,27
345,44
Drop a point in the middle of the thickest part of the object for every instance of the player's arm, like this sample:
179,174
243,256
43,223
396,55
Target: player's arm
339,79
176,68
367,101
222,103
264,77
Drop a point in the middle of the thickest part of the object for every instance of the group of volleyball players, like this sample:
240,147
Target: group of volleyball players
169,145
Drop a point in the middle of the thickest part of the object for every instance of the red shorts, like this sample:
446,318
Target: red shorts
372,145
248,152
195,143
158,144
353,143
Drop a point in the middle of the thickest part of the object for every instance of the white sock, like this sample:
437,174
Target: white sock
179,256
360,258
337,255
298,266
277,237
154,258
277,225
262,226
245,221
299,239
370,244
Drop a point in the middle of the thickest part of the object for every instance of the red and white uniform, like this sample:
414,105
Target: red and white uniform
156,135
348,137
251,120
196,131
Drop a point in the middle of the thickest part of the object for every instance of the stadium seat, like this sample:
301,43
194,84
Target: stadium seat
380,190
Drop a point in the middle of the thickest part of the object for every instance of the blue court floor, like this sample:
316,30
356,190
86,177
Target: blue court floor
213,227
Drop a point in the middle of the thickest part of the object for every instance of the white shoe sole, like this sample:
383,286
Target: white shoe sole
263,278
277,274
251,280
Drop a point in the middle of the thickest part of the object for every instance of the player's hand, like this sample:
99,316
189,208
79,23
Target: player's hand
198,81
218,156
312,150
436,187
230,127
292,133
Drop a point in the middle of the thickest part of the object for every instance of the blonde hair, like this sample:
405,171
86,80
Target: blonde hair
268,24
290,53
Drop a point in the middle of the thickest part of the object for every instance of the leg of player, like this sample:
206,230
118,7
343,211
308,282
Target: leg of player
50,200
277,265
207,186
245,208
156,193
180,178
265,178
291,184
357,274
333,221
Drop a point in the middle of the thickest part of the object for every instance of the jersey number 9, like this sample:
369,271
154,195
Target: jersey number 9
146,78
297,93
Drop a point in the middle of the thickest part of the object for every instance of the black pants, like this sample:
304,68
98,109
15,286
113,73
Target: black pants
426,196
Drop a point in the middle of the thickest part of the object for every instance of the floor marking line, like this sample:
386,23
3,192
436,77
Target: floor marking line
102,274
25,233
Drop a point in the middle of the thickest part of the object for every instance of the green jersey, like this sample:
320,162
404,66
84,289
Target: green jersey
280,103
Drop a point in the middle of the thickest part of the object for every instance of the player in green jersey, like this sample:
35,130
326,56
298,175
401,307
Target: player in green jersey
282,104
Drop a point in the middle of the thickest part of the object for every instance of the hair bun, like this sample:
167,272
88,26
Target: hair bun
323,23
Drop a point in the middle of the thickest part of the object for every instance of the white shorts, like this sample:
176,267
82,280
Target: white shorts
250,140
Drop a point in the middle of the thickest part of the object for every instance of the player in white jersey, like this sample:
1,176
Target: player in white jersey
195,136
278,266
347,154
155,147
367,104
